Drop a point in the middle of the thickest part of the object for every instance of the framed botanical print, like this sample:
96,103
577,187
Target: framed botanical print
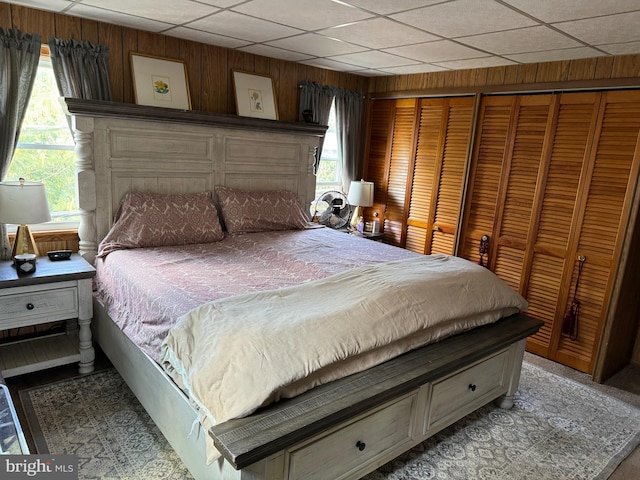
160,82
255,95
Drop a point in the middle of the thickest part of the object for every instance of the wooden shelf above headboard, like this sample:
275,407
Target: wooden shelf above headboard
98,108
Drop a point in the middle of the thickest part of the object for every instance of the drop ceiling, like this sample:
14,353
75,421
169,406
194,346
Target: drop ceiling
383,37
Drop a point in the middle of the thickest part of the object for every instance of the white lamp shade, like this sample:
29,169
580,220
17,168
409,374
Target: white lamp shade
361,194
23,203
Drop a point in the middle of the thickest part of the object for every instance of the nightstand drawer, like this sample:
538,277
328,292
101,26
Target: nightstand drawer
29,308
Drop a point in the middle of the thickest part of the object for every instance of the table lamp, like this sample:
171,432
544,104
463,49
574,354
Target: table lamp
360,195
22,203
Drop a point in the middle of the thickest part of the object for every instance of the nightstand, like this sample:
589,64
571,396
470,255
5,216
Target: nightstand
56,291
378,237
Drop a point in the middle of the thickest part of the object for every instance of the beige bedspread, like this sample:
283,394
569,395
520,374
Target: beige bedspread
237,354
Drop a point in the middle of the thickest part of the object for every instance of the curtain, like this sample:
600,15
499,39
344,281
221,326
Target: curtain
19,57
348,126
80,69
318,100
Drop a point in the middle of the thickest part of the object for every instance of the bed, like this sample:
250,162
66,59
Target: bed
392,401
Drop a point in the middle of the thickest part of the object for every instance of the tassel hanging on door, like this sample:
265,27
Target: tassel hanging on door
570,319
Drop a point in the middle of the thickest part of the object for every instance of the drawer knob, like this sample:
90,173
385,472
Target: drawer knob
472,387
29,306
360,445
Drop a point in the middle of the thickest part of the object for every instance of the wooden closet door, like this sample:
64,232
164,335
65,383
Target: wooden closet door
398,118
609,183
555,231
438,174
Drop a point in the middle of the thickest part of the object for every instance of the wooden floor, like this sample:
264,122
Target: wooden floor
625,385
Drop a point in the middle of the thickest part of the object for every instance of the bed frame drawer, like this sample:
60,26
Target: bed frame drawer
465,391
375,437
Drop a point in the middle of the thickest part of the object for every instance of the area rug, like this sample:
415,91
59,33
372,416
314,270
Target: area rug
558,429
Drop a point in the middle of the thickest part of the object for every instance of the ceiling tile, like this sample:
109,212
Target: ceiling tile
386,7
304,14
554,55
559,10
464,17
205,37
378,33
273,52
621,48
372,59
601,30
99,14
235,25
316,45
48,5
181,11
222,3
440,51
332,65
409,69
522,40
483,62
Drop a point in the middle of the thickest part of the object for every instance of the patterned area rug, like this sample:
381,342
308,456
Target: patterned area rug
558,429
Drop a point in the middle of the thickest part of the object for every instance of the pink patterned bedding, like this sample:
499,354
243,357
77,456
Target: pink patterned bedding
145,290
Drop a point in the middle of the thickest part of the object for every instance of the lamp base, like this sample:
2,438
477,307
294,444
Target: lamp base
357,213
24,242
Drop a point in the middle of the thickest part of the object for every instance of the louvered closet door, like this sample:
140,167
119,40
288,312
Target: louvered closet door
609,183
398,118
555,231
438,174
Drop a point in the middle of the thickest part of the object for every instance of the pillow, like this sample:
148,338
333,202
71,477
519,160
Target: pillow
260,211
146,219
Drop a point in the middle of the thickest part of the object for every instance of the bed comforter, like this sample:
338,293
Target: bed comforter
237,354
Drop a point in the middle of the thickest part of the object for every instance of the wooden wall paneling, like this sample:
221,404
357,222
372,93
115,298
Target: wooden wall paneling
216,80
150,43
90,31
5,15
33,21
552,71
112,35
129,45
605,211
626,66
67,27
287,91
191,54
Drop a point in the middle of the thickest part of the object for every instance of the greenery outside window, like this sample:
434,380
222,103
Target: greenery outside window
329,171
45,150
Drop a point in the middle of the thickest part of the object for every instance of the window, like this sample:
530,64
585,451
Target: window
329,171
45,150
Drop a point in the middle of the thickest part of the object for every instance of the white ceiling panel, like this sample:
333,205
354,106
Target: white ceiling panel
464,17
440,51
618,28
383,37
316,45
240,26
521,40
551,11
304,14
182,10
378,33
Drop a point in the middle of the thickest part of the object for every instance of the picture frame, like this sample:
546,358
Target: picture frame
160,82
255,95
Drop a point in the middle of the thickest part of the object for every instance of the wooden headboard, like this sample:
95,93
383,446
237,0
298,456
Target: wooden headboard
125,147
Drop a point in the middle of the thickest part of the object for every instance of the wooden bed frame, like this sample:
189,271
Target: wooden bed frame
364,420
